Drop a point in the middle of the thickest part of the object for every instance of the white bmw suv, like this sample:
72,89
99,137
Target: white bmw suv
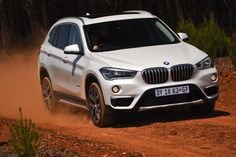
129,61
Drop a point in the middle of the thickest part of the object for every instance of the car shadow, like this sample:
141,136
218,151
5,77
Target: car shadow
162,116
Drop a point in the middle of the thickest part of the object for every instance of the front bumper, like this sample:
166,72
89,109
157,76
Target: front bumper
135,93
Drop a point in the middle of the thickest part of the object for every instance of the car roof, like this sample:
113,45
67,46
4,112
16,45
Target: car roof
114,16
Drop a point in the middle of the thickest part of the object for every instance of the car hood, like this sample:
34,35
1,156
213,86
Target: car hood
151,56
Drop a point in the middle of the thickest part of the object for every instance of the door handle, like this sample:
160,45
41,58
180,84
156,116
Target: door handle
65,60
49,53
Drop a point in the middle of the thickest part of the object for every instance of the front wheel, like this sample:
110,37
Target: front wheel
206,108
100,113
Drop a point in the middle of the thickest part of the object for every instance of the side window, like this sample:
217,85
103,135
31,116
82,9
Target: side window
54,42
63,36
52,35
75,36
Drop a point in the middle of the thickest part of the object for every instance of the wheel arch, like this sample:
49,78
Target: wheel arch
90,78
42,73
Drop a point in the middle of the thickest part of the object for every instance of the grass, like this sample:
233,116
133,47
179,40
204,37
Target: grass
24,138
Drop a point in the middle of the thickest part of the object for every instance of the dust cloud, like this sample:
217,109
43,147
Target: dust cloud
20,87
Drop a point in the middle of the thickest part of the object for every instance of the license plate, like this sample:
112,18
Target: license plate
171,91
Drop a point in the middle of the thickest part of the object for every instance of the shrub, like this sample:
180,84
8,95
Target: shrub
187,26
209,37
24,137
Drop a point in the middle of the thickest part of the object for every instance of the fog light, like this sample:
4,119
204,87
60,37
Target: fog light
213,77
115,89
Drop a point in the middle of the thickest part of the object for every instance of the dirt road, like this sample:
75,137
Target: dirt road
165,133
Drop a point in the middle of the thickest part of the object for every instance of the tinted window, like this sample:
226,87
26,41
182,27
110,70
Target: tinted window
52,35
54,42
63,36
75,36
128,34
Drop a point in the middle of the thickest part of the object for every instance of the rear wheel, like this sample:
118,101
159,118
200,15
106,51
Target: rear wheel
48,95
206,108
100,113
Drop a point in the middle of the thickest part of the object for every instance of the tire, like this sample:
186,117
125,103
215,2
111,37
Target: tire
49,98
100,113
205,109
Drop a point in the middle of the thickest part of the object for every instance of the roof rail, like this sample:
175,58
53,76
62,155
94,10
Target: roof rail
79,18
138,11
111,13
91,16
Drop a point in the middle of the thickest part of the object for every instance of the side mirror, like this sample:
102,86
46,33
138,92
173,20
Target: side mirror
72,49
183,36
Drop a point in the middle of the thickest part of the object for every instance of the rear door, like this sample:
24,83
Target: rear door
55,59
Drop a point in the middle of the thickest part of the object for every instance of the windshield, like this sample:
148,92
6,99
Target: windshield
127,34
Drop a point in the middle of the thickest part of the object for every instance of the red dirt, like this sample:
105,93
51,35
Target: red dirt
167,132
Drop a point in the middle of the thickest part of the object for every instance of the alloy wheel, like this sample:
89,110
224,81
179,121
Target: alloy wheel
94,104
47,93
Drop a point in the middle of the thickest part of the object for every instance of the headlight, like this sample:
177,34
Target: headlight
115,73
205,63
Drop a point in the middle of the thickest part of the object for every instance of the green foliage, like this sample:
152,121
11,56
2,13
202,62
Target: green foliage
187,26
24,137
209,37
